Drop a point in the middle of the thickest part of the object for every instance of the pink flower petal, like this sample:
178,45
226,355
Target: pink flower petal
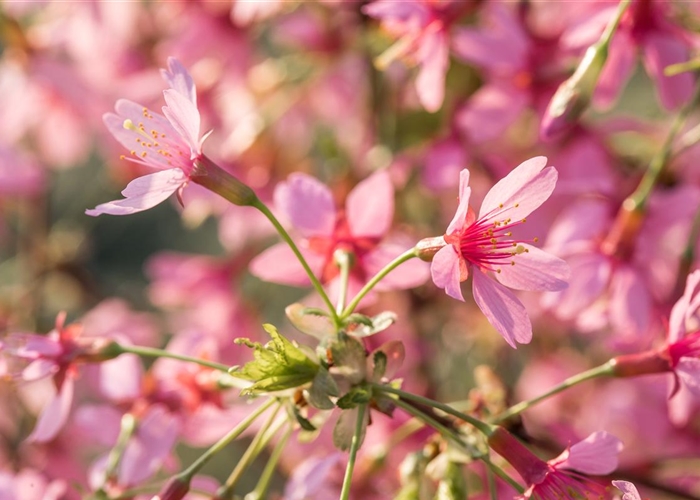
279,265
395,354
502,308
370,206
54,416
490,111
120,378
434,56
460,216
628,489
535,270
659,51
143,193
106,433
590,274
521,191
307,203
617,70
630,302
443,162
688,370
500,46
147,450
445,272
679,313
39,368
180,80
597,455
183,115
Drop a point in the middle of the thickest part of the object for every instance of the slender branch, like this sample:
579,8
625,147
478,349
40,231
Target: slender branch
603,370
150,352
188,473
407,255
255,447
288,240
483,427
611,28
354,446
126,430
456,438
658,162
260,490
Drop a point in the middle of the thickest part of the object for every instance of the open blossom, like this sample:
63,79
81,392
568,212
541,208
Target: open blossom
361,229
566,475
482,246
169,144
54,355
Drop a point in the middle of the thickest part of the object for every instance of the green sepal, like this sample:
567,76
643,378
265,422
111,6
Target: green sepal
356,396
278,365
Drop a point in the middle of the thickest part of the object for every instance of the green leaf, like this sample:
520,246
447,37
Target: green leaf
344,429
278,365
305,423
349,358
452,486
359,325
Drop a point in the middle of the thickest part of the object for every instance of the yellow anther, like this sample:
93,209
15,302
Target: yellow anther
122,157
498,271
509,233
143,155
129,125
500,205
524,220
520,249
535,239
512,262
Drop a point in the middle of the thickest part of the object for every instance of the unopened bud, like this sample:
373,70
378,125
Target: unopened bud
428,247
175,489
208,174
644,363
574,95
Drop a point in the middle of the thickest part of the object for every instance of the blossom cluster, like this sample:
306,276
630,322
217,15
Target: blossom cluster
334,217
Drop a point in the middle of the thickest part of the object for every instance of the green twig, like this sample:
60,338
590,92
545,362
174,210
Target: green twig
344,262
354,446
408,255
288,239
603,370
150,352
260,490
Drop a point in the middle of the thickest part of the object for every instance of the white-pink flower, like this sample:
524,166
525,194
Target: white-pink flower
169,144
483,246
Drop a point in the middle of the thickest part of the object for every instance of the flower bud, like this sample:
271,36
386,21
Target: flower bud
428,247
208,174
574,95
175,489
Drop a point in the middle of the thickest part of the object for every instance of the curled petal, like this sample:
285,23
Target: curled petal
628,489
688,370
502,308
143,193
180,80
183,115
460,218
445,270
434,55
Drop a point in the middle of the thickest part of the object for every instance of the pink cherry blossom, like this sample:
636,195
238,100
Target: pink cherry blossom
423,30
484,245
361,228
169,144
566,475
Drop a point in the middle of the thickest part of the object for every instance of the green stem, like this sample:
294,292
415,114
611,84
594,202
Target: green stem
150,352
127,428
188,473
408,255
658,162
260,490
455,437
255,447
354,446
483,427
287,239
611,28
491,482
502,474
603,370
343,260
